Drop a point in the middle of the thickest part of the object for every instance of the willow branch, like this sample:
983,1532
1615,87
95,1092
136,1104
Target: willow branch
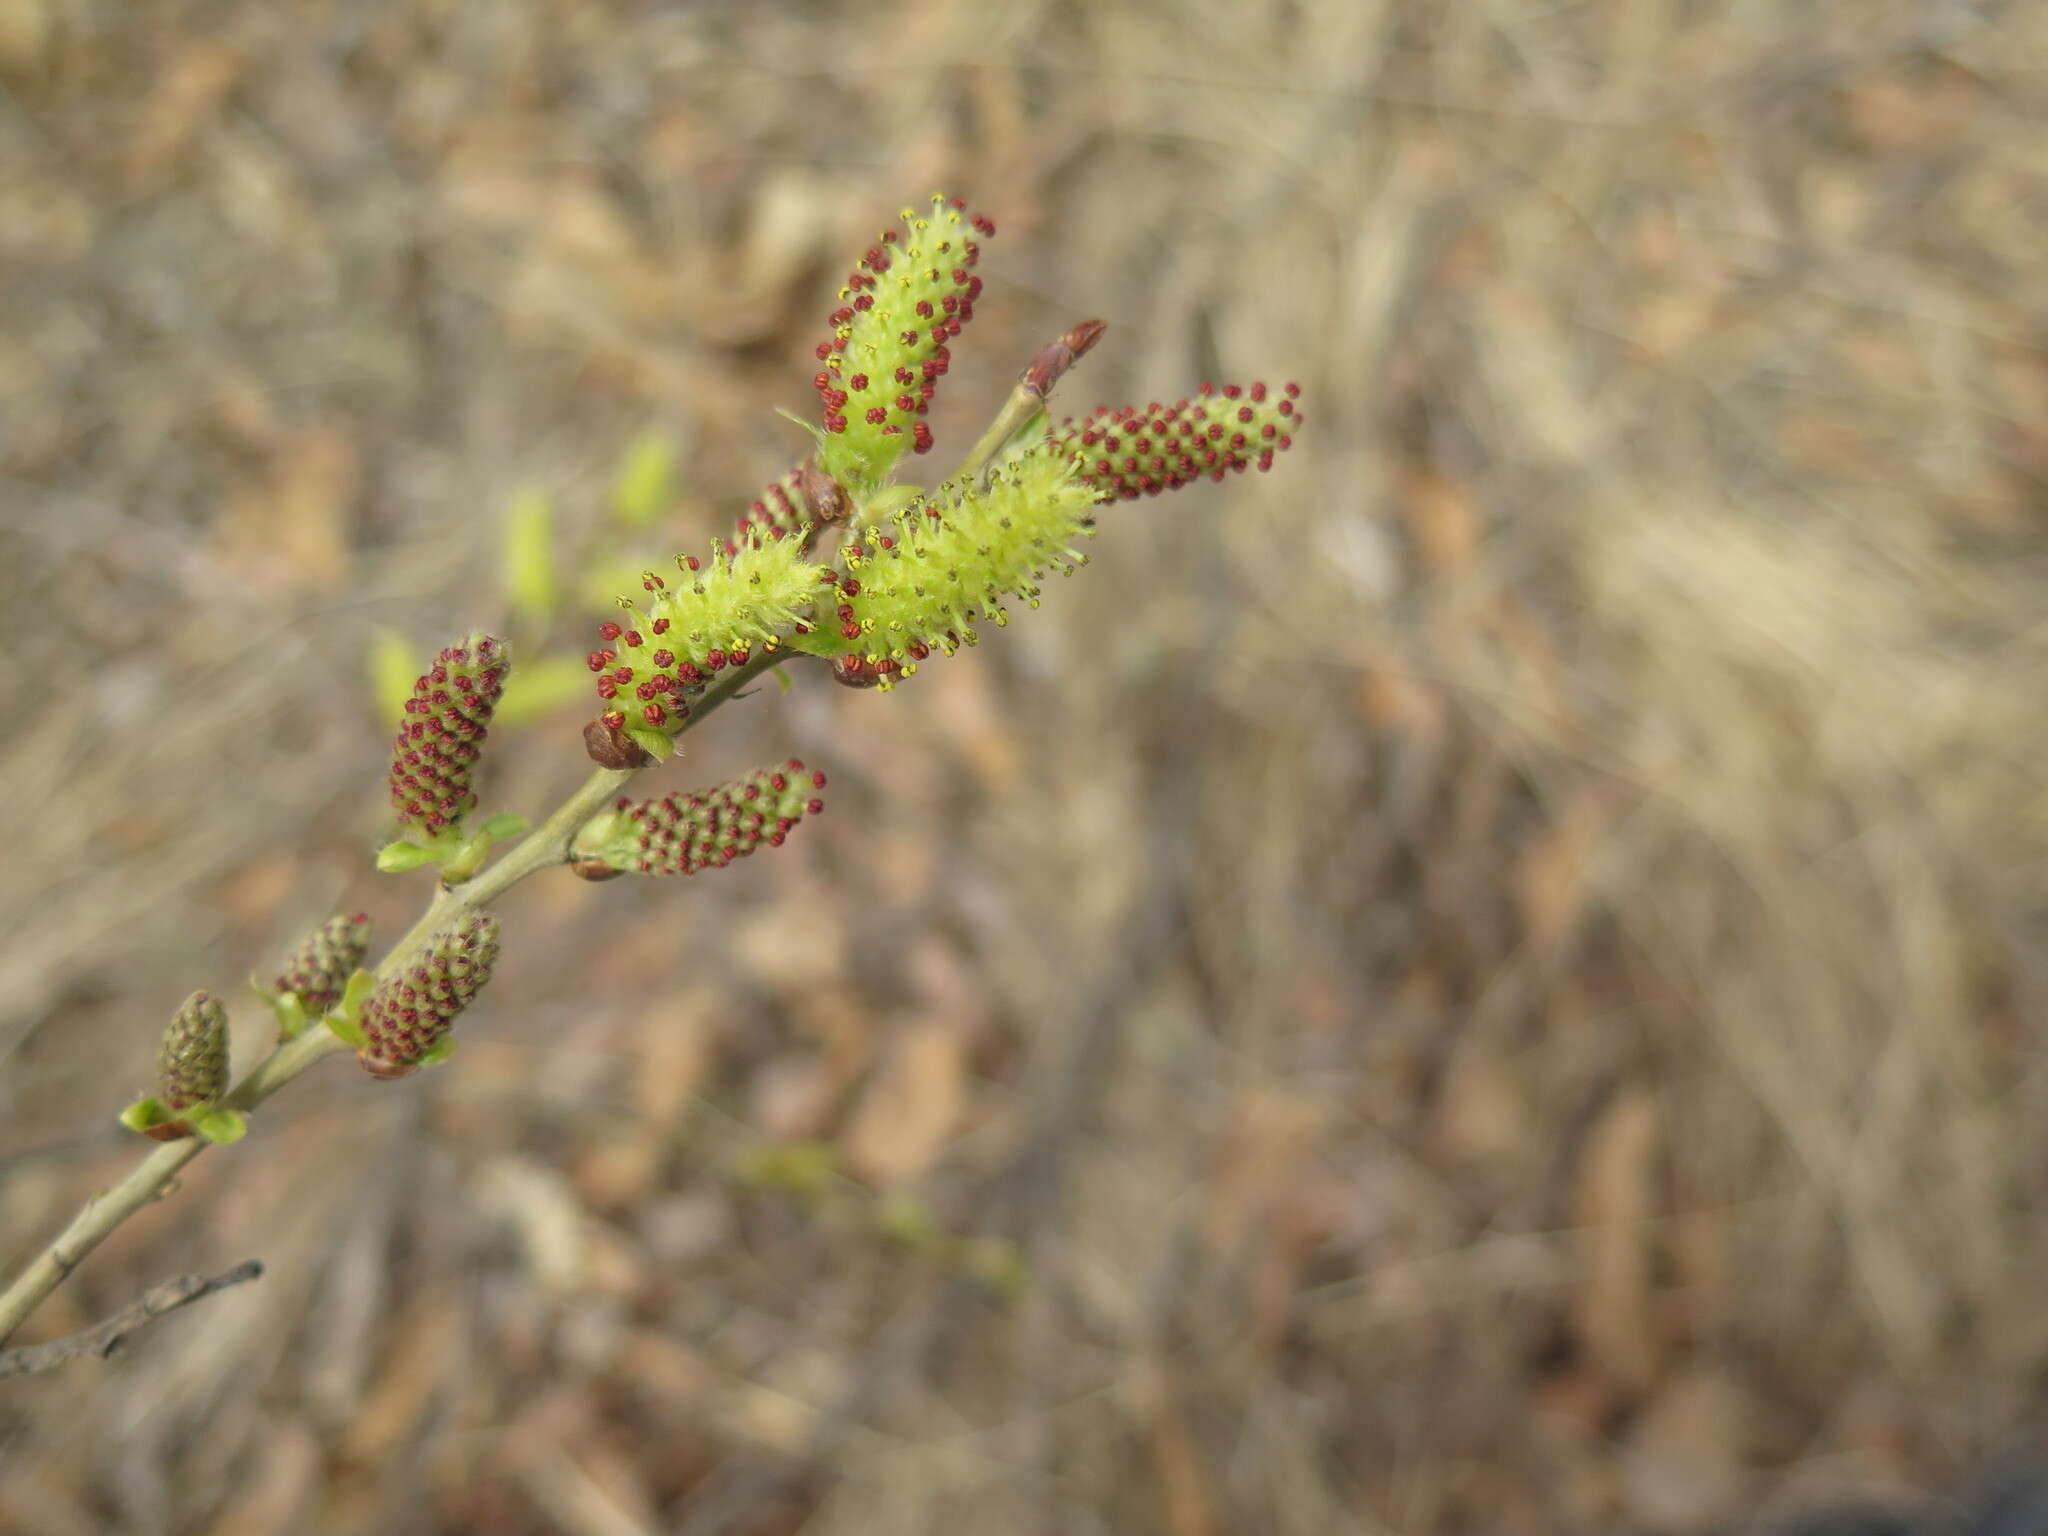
149,1180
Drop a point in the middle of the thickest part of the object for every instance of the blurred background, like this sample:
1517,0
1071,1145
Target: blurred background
1491,979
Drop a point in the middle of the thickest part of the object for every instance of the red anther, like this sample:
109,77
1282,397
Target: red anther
609,630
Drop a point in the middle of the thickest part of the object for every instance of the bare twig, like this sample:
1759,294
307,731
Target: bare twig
104,1338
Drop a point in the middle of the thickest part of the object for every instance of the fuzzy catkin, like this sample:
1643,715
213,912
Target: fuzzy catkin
192,1062
320,967
409,1014
434,755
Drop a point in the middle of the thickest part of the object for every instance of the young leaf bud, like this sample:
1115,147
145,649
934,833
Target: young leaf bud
320,967
908,297
1130,453
1052,361
435,751
408,1016
192,1063
683,833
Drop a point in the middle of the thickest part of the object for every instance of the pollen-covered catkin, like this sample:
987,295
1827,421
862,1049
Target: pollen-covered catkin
907,299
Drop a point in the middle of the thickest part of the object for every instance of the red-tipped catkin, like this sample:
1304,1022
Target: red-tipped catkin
795,506
665,648
778,512
319,968
192,1064
908,298
1127,452
410,1013
683,833
438,743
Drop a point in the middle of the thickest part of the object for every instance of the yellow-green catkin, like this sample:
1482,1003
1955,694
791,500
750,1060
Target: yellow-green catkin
906,300
950,560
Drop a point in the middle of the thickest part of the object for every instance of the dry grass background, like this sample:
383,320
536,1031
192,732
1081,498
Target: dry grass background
1493,976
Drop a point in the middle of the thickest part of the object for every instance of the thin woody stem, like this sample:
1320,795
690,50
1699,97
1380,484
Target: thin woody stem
150,1180
1034,386
104,1338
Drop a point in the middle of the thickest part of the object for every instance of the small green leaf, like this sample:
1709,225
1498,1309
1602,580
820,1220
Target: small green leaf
440,1050
505,824
394,667
398,857
221,1126
361,984
144,1113
541,687
291,1014
645,486
347,1030
529,556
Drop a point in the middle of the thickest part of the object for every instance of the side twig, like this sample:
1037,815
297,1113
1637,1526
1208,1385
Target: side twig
104,1338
